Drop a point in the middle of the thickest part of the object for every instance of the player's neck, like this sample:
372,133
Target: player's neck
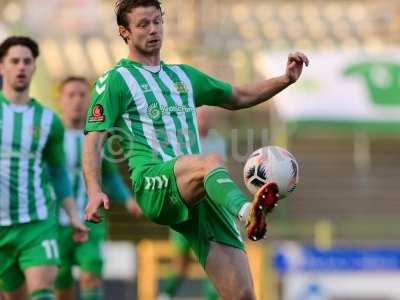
73,124
147,60
15,97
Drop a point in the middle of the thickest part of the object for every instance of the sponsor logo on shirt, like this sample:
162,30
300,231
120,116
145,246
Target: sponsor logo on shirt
97,114
156,111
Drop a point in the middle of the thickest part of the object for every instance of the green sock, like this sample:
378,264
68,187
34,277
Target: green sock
172,285
43,294
209,291
224,191
92,294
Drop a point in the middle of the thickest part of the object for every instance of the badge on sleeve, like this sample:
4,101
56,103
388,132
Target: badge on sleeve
97,114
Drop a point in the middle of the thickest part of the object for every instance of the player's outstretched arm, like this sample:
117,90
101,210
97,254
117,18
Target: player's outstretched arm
255,93
91,163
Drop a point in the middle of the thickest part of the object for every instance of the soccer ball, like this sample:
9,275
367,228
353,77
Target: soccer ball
271,164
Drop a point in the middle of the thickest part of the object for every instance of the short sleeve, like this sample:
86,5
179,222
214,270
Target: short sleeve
208,90
53,153
106,102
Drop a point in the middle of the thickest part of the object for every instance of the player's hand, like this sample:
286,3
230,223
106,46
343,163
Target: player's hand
80,231
133,208
294,66
96,200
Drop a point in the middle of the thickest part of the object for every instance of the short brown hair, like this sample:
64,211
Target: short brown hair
18,41
123,7
73,78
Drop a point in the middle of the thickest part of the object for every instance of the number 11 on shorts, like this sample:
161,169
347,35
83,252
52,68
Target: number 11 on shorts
51,248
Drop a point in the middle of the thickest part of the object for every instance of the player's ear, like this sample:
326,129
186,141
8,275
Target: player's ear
123,32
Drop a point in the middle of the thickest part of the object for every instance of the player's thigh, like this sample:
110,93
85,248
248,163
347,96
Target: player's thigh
235,283
40,277
190,171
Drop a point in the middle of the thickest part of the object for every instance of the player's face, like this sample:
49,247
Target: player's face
145,32
17,68
74,100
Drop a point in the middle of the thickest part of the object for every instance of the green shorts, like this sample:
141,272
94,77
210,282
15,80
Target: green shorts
88,255
157,193
23,246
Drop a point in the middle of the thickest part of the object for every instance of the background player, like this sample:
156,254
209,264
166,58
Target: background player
175,186
74,100
31,154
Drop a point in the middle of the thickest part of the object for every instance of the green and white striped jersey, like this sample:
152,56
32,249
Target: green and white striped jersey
73,141
153,109
30,136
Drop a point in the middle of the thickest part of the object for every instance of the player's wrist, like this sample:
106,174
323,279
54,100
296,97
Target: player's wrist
94,190
286,80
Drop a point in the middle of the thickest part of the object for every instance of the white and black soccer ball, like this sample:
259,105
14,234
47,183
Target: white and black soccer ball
271,164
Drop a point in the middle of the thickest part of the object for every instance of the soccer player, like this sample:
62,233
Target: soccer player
32,168
154,104
211,142
74,100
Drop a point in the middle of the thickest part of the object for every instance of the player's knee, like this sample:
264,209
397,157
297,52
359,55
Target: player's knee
211,162
89,281
246,293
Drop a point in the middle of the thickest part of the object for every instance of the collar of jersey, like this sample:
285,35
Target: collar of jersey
8,102
129,62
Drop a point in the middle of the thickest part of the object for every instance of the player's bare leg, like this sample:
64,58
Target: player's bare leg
91,285
236,272
191,173
41,279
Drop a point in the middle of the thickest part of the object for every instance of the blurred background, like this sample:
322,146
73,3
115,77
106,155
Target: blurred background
338,236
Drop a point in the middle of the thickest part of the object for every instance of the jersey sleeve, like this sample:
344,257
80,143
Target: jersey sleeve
54,156
53,152
106,103
208,90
